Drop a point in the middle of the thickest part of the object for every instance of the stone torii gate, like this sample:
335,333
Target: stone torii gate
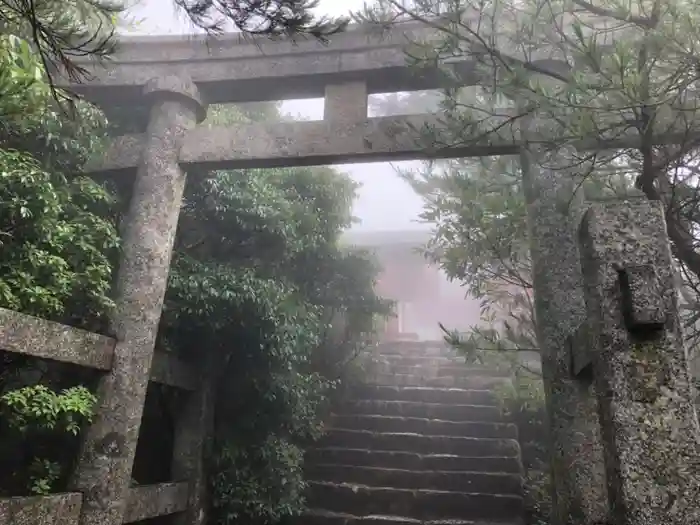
628,335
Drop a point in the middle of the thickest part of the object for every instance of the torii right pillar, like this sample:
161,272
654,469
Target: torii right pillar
640,366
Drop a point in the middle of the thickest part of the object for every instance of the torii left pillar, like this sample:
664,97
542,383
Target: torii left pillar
104,471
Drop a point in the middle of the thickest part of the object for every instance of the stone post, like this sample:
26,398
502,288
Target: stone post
577,469
192,428
107,454
345,103
649,426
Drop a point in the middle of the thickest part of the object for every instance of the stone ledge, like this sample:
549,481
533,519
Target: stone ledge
28,335
451,412
420,444
447,480
418,504
408,348
446,396
151,501
423,426
432,372
56,509
466,381
321,517
422,360
357,457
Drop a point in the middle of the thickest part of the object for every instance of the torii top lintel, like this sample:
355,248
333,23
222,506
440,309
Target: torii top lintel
240,68
364,59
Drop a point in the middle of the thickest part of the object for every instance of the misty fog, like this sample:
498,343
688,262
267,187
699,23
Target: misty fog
386,207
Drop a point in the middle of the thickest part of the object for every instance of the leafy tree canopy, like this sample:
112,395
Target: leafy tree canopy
58,234
621,74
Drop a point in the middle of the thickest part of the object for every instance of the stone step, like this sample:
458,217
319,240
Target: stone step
413,460
323,517
450,480
468,412
419,360
447,396
415,348
424,426
465,381
453,370
418,504
493,366
460,446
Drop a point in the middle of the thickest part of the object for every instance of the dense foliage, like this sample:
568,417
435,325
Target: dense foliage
40,425
57,230
58,244
258,278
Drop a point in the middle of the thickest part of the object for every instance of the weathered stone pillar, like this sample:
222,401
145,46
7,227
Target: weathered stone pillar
578,476
193,426
104,470
650,429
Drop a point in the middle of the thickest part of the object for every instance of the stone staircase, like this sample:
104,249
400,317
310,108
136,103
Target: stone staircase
421,442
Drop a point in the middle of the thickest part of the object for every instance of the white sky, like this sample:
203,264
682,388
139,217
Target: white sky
384,202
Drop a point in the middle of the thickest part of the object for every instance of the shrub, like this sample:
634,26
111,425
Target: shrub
40,425
523,402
